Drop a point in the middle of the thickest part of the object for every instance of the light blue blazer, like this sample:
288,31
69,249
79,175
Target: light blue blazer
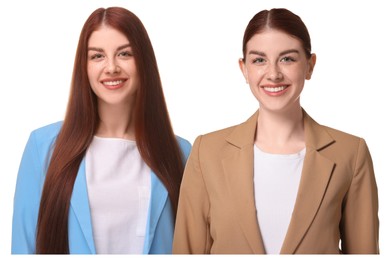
31,177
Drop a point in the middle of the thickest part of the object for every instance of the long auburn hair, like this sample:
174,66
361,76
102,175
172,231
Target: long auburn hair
153,131
279,19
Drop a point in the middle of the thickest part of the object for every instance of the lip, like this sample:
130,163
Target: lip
275,90
113,83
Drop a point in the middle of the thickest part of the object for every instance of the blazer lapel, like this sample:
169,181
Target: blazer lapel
80,205
316,174
158,198
238,169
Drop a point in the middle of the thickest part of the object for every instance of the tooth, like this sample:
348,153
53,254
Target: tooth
112,83
276,89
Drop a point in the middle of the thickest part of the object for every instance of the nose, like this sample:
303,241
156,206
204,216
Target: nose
112,67
274,72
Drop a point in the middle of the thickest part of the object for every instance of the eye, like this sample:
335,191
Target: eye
96,56
125,54
287,59
258,60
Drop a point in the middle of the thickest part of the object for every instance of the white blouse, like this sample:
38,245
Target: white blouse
276,182
119,186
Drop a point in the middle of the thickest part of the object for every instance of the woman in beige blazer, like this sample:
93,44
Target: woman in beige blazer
335,200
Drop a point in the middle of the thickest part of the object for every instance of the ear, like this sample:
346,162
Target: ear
243,68
312,63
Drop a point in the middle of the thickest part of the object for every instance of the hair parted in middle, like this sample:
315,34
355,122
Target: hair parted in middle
279,19
155,139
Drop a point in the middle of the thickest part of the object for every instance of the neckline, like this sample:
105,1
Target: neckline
113,139
295,155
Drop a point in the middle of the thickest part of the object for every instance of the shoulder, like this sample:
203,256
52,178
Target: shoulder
321,136
43,138
184,145
48,131
213,145
345,148
341,137
236,136
218,137
348,146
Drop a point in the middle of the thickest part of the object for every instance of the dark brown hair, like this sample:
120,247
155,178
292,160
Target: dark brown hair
279,19
154,135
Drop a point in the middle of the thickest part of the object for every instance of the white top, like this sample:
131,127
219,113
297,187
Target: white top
276,181
119,185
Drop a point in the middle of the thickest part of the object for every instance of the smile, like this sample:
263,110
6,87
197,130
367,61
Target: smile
275,89
113,83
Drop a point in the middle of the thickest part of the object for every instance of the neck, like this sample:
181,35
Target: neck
116,121
280,133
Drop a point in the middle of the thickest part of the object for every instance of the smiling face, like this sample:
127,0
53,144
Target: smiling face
276,67
112,71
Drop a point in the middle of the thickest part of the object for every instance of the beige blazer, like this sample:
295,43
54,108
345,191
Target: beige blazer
337,197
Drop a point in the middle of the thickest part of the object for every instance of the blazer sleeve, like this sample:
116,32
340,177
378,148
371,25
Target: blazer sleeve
27,199
360,223
192,234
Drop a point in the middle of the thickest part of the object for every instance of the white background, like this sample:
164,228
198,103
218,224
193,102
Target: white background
198,44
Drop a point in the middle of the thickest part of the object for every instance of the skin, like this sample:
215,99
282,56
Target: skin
276,68
114,79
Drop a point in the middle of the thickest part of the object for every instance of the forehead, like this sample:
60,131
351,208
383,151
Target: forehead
107,36
271,40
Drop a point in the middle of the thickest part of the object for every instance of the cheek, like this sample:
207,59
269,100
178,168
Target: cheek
132,72
93,76
301,76
130,67
255,75
295,74
91,71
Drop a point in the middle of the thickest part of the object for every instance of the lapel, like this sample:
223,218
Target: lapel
316,174
238,169
158,198
80,205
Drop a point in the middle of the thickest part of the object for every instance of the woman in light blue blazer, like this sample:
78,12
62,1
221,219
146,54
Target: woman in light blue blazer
107,178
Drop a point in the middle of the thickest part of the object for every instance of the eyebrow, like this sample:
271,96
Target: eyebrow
289,51
117,49
260,53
